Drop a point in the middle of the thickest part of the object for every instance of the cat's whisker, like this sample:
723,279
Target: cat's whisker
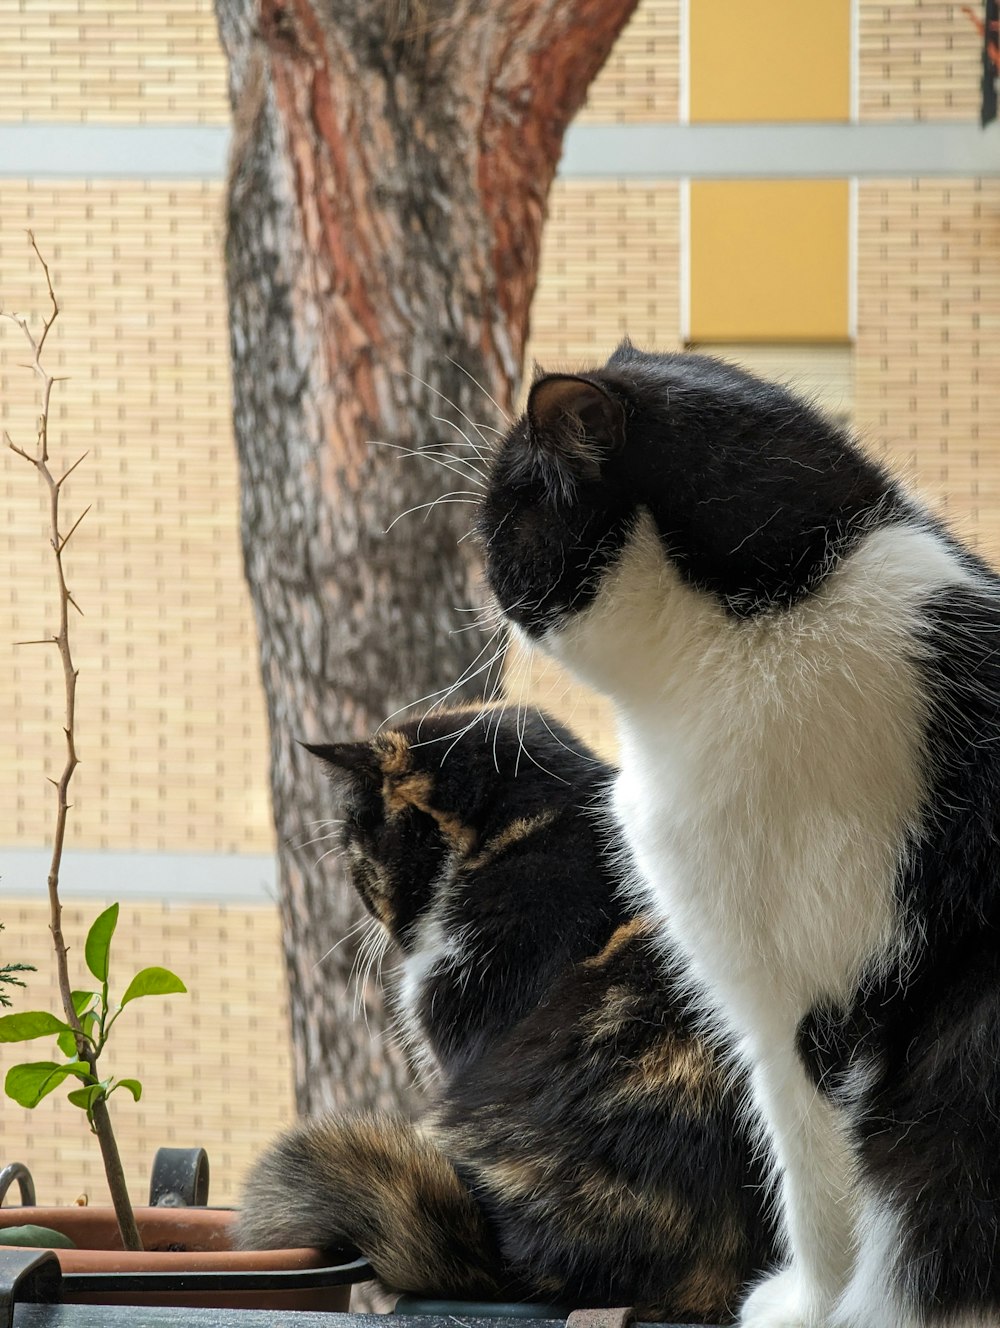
351,931
440,419
375,953
443,693
487,615
492,399
520,720
572,750
440,457
316,839
496,734
487,667
485,710
448,402
457,737
447,500
369,923
337,850
522,723
362,961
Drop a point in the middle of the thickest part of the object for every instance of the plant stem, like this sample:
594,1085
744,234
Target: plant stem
85,1049
116,1176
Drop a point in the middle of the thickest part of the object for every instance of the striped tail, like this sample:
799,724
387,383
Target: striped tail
378,1187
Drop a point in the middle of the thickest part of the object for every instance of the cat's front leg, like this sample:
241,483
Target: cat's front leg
817,1197
785,1300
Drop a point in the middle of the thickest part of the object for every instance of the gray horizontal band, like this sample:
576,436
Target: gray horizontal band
181,878
593,151
668,151
113,152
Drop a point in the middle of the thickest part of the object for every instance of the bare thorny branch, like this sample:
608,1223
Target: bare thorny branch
58,542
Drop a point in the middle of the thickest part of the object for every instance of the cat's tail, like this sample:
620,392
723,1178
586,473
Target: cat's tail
380,1187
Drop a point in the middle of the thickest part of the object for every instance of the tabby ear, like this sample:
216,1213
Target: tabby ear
346,758
575,422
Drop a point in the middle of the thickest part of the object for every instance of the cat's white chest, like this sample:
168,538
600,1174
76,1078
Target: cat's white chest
771,770
774,887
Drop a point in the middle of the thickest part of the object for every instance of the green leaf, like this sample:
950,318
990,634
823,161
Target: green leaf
84,1098
67,1042
27,1084
153,982
31,1024
99,943
133,1086
42,1238
83,1000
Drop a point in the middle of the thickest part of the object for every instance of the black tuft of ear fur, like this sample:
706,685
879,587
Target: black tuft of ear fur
575,422
623,352
353,758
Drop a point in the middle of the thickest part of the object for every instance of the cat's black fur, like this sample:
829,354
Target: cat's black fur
584,1145
757,499
752,490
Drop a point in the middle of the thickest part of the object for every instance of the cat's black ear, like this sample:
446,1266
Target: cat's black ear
575,421
623,352
347,758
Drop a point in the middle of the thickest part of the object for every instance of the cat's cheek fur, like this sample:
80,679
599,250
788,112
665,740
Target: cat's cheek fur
772,779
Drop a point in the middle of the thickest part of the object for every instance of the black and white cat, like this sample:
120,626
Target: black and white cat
805,667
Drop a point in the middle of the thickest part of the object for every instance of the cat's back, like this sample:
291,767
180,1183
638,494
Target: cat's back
607,1122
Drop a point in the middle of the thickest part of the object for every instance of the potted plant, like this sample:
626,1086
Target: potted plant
161,1255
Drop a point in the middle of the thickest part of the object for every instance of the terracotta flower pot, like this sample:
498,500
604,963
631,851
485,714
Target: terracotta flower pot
187,1260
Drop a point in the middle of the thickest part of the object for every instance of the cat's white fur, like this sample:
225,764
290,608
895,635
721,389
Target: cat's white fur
434,947
771,781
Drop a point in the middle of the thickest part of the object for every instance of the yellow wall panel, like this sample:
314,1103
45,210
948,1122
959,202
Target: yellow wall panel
769,60
769,260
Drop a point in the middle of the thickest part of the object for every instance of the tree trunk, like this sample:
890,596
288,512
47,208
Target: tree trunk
390,169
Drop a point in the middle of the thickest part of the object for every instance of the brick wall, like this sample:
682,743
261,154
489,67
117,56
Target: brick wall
170,713
111,61
917,60
927,390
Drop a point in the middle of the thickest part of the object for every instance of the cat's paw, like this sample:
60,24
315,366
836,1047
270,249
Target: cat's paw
783,1301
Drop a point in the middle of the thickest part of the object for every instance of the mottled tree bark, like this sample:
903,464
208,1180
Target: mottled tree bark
389,176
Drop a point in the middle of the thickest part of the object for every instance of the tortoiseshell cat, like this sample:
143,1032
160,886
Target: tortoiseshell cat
805,666
584,1146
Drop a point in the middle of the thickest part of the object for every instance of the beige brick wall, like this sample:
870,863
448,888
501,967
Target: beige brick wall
171,726
214,1064
640,80
111,61
610,265
927,389
137,61
917,60
140,61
